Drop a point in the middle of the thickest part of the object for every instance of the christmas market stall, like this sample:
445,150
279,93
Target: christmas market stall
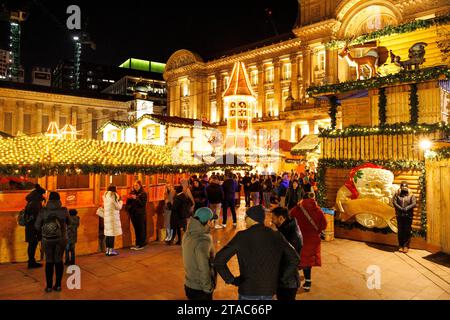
81,170
385,126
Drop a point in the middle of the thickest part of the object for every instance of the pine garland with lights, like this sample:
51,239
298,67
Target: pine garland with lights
389,30
382,102
389,129
43,156
333,110
413,105
399,165
439,154
414,76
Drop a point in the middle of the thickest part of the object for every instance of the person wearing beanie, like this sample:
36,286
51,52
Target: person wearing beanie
52,223
72,235
198,255
404,203
260,251
35,200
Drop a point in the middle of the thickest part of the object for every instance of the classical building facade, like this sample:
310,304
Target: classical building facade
280,72
30,109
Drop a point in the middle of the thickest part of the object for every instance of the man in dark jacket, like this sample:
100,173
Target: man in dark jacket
260,251
215,196
182,205
283,188
136,206
247,181
229,187
291,231
404,203
34,203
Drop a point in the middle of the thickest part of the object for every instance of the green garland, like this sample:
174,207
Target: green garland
439,154
333,110
414,76
324,164
413,105
389,30
41,170
382,102
391,129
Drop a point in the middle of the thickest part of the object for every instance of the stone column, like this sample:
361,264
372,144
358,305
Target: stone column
19,119
73,116
261,106
307,69
219,100
38,119
294,76
56,113
88,125
278,95
312,125
331,64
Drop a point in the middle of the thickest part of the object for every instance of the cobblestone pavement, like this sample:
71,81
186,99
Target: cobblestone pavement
156,273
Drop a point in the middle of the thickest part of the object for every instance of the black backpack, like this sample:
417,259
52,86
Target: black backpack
51,229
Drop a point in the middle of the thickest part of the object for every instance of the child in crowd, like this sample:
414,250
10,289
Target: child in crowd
72,228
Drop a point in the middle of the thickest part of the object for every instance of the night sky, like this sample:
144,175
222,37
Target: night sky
147,29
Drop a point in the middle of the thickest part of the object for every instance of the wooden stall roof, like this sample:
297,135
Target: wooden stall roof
307,144
40,156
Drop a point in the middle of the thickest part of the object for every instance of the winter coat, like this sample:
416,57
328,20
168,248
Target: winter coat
310,255
72,228
283,188
246,181
404,204
214,193
34,205
267,185
198,256
255,186
111,220
169,196
291,231
229,189
293,196
181,210
53,207
259,251
200,197
138,205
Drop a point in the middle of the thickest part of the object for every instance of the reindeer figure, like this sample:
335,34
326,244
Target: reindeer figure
373,58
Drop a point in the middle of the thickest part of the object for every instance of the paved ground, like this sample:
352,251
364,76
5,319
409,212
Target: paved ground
157,273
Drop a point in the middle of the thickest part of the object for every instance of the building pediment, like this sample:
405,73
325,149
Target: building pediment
318,30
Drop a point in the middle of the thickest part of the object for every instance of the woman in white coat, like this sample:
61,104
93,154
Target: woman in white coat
112,205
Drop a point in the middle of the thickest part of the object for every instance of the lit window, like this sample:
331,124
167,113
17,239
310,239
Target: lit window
185,89
254,77
213,86
269,74
286,71
269,104
285,95
213,111
321,61
226,79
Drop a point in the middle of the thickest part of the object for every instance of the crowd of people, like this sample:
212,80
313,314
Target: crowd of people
270,258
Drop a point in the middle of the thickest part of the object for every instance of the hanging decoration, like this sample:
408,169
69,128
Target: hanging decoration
333,111
416,55
415,76
389,30
413,105
382,102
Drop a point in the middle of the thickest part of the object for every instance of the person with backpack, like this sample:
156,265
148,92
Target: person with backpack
72,232
35,200
52,222
198,256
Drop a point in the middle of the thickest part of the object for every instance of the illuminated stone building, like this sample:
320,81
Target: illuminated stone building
280,72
